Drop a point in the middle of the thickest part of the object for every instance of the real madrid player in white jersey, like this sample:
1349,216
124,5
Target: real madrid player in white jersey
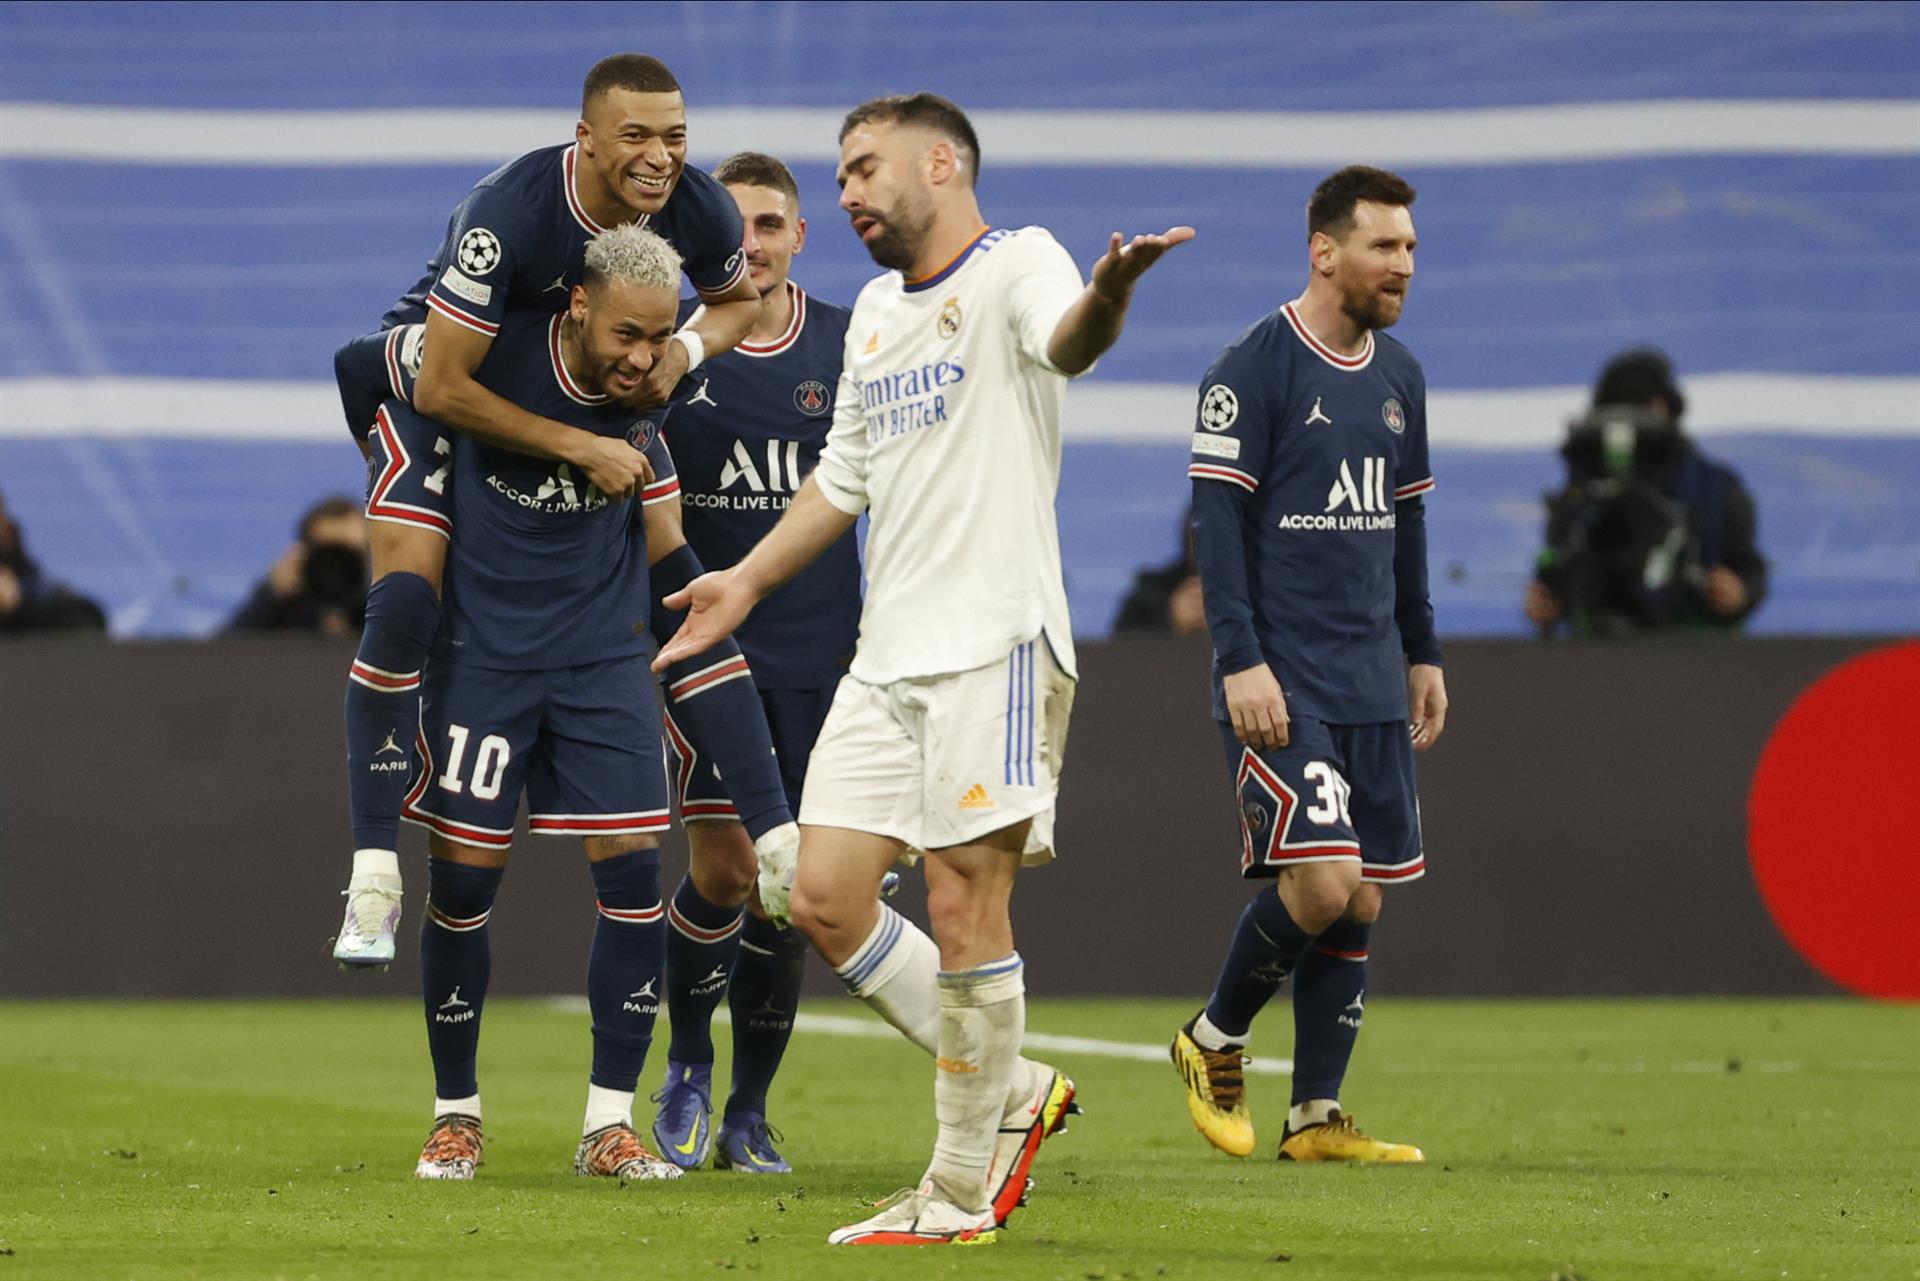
945,738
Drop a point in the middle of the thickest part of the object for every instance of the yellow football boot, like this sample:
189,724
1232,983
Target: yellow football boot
1339,1139
1216,1092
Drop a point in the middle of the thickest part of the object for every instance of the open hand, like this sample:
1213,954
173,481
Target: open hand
715,604
1125,262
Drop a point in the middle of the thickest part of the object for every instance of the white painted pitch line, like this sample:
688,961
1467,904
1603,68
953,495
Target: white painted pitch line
845,1025
1113,412
1105,139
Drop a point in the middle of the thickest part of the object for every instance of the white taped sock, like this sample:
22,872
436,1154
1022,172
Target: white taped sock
469,1106
896,972
375,867
1209,1037
606,1107
983,1015
1312,1112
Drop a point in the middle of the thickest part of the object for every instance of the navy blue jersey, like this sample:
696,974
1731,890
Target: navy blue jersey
1329,447
745,438
516,242
545,571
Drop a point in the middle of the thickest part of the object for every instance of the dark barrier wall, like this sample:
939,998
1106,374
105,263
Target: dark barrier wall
172,823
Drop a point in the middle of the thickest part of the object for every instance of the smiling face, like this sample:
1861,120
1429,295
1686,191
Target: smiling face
623,330
636,145
886,188
1370,266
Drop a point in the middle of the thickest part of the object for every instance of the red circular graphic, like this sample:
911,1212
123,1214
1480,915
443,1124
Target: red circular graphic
1833,824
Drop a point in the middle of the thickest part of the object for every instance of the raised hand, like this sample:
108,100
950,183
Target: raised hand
715,605
1125,262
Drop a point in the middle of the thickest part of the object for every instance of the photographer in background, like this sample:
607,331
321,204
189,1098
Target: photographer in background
1649,532
29,602
1166,598
320,583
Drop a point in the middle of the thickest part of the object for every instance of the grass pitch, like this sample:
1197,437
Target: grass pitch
1606,1141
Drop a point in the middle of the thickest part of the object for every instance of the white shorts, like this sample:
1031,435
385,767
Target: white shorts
945,760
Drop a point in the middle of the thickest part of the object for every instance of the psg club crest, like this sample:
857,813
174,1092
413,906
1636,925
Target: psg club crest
641,434
1396,418
1255,816
949,323
479,252
812,398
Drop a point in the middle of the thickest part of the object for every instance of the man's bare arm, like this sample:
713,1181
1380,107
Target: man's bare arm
1094,321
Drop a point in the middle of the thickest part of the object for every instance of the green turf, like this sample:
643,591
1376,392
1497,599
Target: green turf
1611,1141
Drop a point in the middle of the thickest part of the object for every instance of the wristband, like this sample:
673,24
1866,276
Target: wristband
696,346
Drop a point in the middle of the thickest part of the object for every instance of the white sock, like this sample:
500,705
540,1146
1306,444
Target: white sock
896,972
375,867
1209,1037
1312,1112
606,1107
456,1107
983,1015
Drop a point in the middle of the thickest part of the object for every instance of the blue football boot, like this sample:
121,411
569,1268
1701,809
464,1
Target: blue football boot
683,1128
746,1146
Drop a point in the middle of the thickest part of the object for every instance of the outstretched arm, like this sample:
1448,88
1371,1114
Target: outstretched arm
1093,323
717,602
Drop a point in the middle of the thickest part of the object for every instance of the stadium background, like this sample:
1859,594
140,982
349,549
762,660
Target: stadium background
194,211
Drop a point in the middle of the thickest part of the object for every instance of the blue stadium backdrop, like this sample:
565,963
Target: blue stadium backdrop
198,202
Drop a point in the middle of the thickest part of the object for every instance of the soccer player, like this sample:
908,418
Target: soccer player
539,684
945,737
744,440
514,244
1309,467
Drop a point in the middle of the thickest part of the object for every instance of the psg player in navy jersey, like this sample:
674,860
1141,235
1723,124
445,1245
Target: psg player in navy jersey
540,685
514,244
748,433
1309,467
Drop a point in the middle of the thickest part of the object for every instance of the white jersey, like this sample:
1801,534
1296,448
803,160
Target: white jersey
946,430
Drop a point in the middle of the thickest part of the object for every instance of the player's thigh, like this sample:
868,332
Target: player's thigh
994,742
598,768
477,731
864,773
1292,801
409,490
795,718
1385,801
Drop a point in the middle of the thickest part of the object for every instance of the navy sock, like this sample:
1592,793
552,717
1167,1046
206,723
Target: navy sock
454,966
702,941
763,998
383,706
623,971
1265,947
713,705
1329,995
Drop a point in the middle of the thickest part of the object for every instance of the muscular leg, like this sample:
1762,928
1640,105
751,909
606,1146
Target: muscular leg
382,721
1275,929
623,971
1329,994
455,966
982,994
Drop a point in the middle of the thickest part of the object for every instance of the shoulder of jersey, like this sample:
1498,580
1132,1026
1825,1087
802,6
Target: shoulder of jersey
1393,348
525,172
830,316
697,190
1268,335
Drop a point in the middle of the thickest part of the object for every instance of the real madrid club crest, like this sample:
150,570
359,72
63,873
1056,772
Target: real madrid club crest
1395,417
949,323
641,434
812,398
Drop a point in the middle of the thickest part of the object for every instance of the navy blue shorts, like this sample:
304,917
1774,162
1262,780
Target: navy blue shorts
1335,793
582,742
794,716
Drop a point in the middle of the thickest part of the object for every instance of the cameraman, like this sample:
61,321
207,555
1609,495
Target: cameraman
1649,532
320,583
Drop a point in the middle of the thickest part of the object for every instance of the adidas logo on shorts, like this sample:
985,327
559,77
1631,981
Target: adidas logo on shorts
976,799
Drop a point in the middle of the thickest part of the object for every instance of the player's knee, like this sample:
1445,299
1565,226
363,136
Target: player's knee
956,909
721,862
605,847
407,549
1365,904
1317,894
